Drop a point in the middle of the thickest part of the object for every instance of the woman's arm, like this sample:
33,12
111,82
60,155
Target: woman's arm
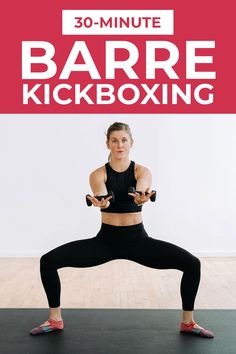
144,180
97,184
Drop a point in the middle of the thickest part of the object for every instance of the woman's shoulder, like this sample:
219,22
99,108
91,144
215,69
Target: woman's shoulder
98,172
140,168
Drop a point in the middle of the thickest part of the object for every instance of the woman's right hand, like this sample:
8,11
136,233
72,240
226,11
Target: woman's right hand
103,203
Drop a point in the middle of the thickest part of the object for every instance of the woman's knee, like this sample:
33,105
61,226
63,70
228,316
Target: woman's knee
195,264
191,264
45,260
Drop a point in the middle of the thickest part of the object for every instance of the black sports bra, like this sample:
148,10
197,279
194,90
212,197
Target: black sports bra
119,183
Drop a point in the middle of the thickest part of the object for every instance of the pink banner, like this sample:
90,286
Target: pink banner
119,60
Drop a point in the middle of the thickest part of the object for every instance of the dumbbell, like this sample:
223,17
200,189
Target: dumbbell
152,198
99,197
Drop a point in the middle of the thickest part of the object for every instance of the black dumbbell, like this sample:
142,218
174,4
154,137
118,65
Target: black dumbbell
132,190
99,197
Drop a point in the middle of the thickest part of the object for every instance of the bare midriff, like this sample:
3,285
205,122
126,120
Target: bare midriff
122,219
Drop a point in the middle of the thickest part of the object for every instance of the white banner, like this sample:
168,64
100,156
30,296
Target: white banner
122,22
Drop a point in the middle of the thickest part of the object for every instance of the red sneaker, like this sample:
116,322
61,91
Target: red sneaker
53,326
201,332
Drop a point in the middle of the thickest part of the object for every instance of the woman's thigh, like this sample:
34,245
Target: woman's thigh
160,254
81,253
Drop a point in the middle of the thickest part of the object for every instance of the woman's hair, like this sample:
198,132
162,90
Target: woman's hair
118,126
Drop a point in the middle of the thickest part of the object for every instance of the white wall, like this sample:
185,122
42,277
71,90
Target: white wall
45,161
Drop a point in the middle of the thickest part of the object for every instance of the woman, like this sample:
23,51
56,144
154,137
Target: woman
122,235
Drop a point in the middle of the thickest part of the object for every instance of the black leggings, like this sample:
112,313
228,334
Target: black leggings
116,242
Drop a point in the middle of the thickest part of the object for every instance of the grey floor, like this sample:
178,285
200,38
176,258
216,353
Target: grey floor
116,331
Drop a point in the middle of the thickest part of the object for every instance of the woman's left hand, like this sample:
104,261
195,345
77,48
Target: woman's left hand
141,198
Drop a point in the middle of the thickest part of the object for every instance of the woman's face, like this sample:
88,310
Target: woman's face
119,143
